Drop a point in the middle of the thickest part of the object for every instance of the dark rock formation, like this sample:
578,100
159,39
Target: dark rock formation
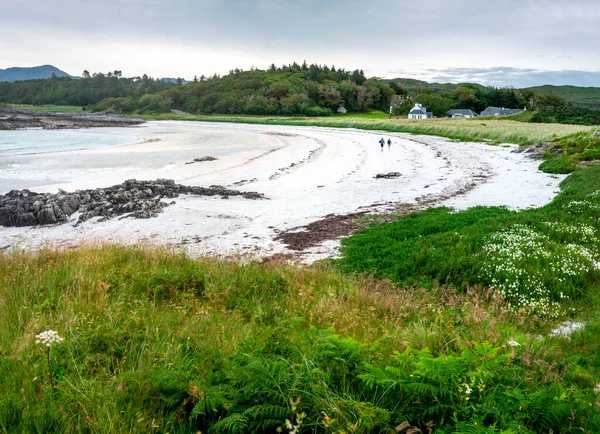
201,159
389,175
138,199
539,151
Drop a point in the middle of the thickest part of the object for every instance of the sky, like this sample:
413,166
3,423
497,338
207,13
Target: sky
503,43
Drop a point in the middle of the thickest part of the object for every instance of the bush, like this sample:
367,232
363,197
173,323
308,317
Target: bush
317,111
558,165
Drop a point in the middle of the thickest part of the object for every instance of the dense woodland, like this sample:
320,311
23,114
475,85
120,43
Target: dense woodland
85,91
309,90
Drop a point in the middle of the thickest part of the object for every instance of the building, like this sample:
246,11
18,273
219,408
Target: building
419,112
342,110
461,114
500,111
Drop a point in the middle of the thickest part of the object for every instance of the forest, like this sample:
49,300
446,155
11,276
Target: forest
295,89
89,89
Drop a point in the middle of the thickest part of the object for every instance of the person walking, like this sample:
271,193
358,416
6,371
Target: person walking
382,143
389,144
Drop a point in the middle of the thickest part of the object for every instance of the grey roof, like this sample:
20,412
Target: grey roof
417,112
461,112
430,114
493,111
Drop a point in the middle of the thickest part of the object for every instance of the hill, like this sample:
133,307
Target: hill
588,97
313,90
34,73
413,85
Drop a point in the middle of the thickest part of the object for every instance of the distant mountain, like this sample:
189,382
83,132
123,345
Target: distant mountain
588,97
174,80
34,73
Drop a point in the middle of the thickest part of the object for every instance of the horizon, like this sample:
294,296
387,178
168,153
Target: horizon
410,76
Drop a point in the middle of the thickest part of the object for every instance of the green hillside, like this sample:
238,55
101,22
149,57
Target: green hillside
588,97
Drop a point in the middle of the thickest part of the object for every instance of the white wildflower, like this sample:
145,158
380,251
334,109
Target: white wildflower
48,338
567,328
513,343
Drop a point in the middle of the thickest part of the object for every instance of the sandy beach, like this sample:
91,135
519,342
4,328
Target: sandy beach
306,173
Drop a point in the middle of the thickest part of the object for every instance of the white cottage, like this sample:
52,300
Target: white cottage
419,112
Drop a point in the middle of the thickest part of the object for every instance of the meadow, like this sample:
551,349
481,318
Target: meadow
417,328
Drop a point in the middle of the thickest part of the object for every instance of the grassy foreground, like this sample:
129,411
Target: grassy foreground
157,342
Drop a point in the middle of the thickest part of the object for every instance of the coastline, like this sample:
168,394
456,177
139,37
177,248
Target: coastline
307,174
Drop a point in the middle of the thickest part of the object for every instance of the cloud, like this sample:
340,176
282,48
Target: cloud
502,76
379,35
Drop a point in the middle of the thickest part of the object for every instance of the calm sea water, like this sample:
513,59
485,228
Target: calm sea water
31,158
23,142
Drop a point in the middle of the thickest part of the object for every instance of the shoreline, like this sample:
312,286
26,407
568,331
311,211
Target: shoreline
308,174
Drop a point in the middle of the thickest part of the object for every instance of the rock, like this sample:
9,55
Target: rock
4,216
46,215
389,175
205,158
138,199
539,150
584,164
25,219
38,205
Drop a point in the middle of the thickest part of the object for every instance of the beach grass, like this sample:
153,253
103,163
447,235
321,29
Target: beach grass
158,342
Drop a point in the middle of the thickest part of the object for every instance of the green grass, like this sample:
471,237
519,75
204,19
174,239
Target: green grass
45,108
157,342
542,260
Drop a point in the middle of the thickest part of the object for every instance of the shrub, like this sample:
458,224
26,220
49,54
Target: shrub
558,165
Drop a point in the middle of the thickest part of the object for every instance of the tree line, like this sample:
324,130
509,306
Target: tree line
89,89
288,90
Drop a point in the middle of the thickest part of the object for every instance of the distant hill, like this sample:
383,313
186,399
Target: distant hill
412,85
588,97
173,80
34,73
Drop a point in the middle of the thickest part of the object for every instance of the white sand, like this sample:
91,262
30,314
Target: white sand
306,172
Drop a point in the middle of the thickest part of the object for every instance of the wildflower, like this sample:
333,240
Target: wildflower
513,343
48,338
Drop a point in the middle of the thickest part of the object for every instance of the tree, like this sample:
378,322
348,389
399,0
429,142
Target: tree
466,98
85,74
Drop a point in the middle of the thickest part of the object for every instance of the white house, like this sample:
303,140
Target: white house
419,112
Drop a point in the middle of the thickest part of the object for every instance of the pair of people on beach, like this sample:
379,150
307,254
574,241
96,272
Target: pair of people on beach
382,143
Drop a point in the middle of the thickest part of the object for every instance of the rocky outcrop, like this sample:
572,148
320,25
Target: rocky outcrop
138,199
389,175
201,159
539,151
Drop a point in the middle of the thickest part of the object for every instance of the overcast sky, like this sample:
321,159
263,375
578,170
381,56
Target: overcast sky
507,42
